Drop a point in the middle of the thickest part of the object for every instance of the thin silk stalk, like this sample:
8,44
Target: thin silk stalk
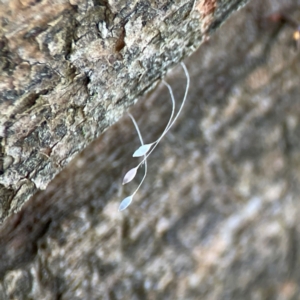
177,115
145,158
173,107
170,119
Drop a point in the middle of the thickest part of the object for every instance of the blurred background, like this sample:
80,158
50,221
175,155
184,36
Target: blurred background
217,216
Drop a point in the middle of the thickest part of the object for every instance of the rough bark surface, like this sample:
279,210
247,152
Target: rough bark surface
69,69
218,215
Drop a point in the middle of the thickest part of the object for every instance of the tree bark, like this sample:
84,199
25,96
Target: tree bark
218,214
69,69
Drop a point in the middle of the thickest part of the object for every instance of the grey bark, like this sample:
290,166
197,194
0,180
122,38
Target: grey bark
70,69
218,215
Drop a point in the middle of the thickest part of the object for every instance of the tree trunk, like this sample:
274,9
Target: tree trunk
218,214
69,70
